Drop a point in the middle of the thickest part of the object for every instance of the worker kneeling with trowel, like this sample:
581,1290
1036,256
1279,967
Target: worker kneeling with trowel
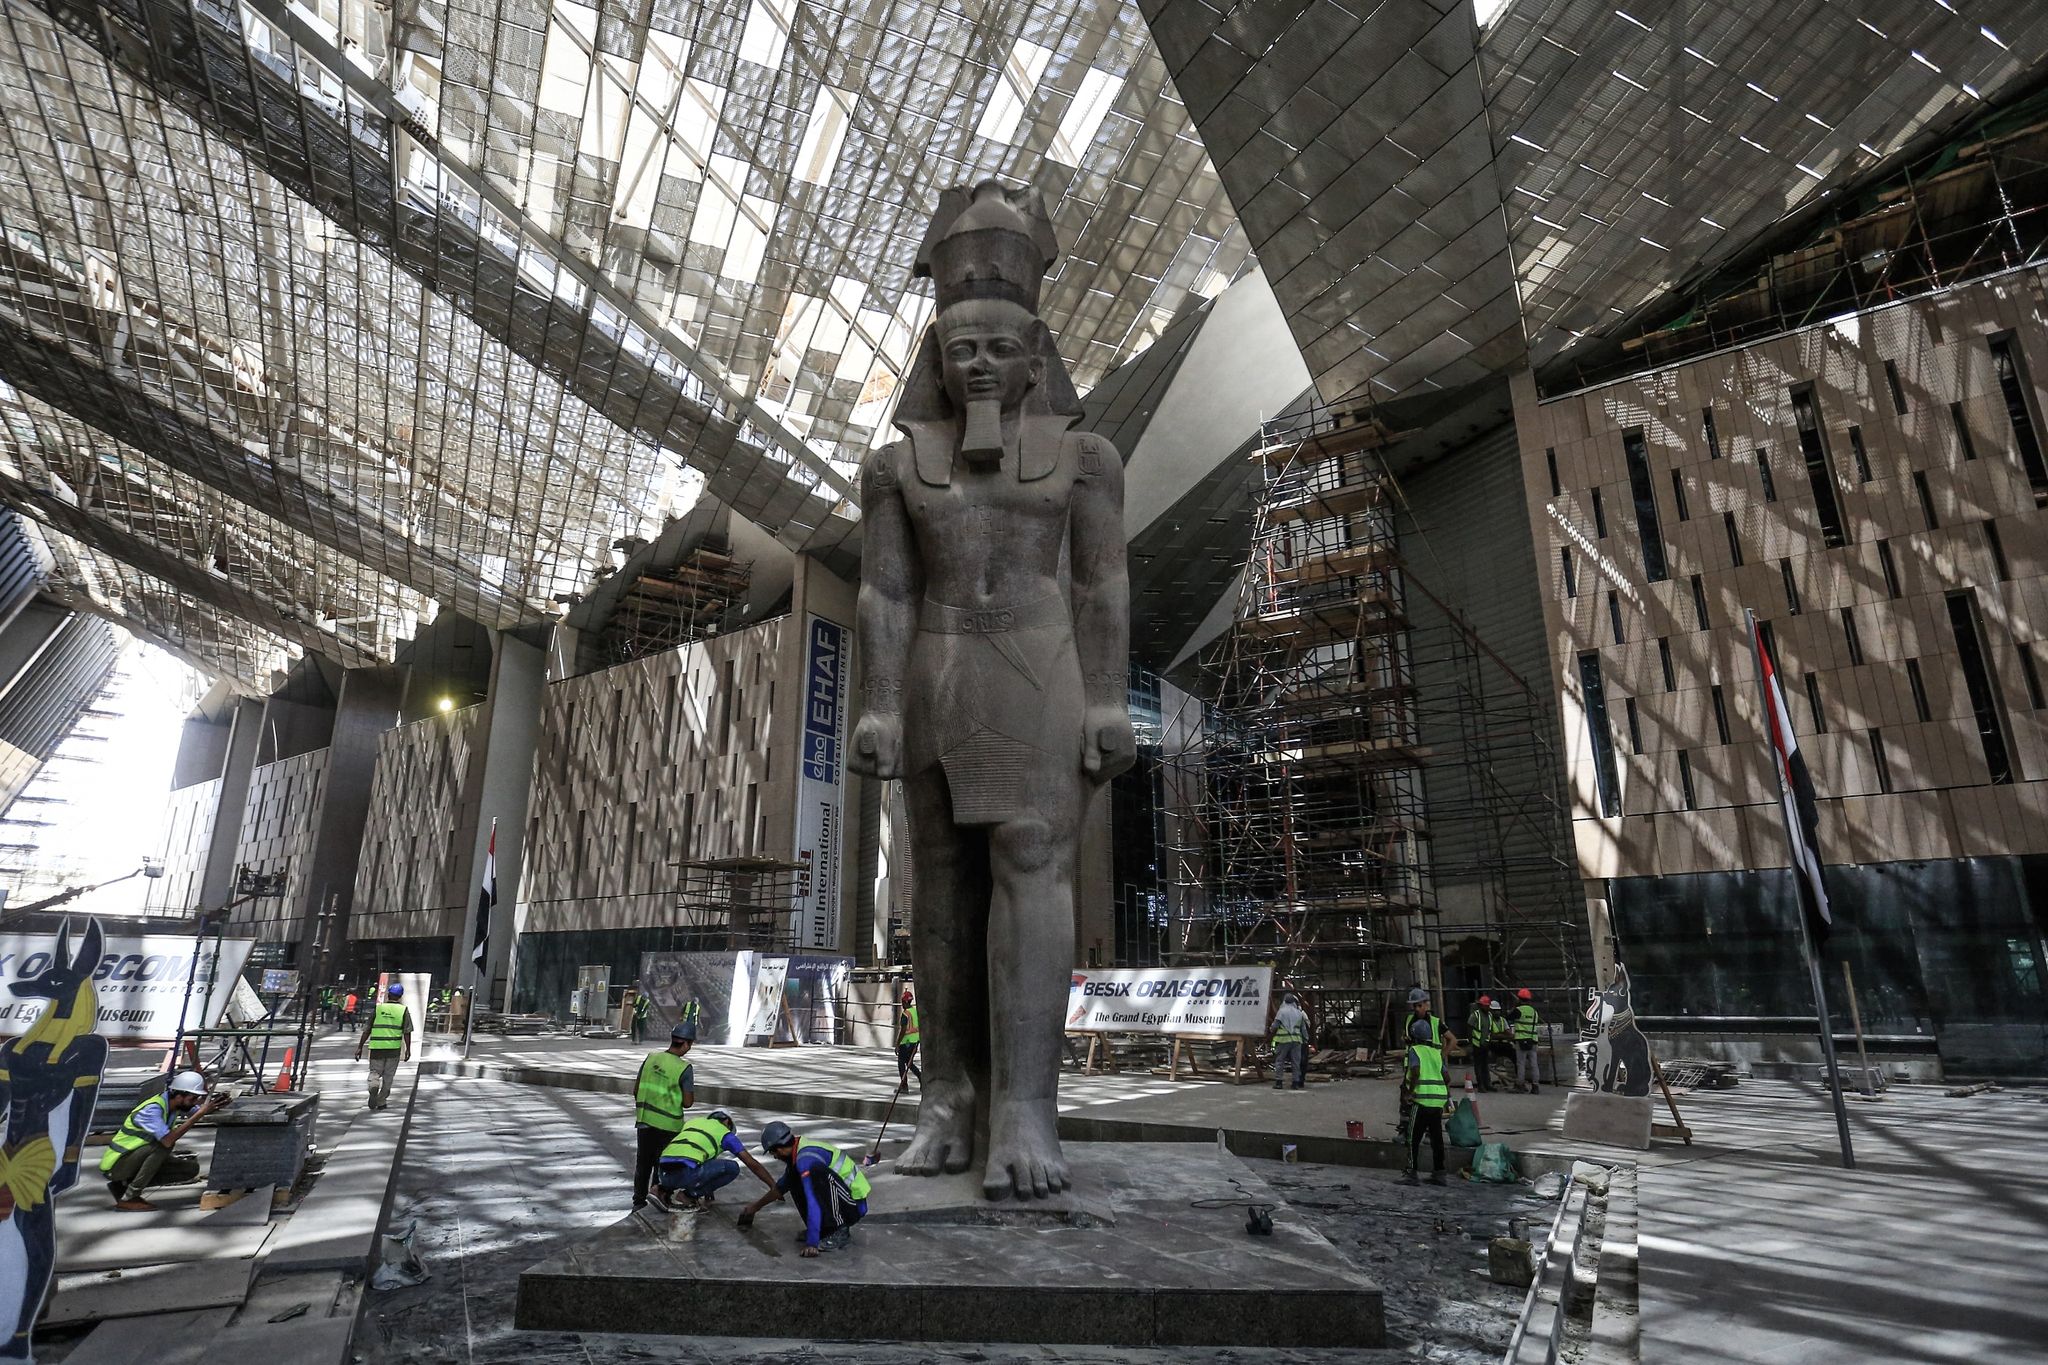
143,1153
695,1164
827,1186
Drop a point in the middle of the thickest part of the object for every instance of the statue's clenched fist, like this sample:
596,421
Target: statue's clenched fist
1108,746
878,746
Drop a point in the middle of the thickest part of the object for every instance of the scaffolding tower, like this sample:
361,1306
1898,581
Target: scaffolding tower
666,608
747,902
1369,796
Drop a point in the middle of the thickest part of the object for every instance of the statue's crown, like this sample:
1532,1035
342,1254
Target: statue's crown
988,241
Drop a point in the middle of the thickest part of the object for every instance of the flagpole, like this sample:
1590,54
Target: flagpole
1820,999
475,967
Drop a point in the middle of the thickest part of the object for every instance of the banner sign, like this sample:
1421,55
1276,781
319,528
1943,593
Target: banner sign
1208,1002
821,785
140,983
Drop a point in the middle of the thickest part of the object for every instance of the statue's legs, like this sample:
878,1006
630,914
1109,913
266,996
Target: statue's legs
949,946
1030,963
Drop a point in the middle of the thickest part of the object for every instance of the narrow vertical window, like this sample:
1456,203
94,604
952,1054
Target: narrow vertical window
1820,474
1635,725
1720,713
1890,568
1769,635
1734,540
1763,471
1571,577
2018,391
1550,458
1644,492
1678,496
2032,674
1879,762
1997,548
1983,687
1685,781
1713,436
1699,603
1599,516
1850,637
1820,718
1963,441
1664,658
1614,617
1918,686
1891,379
1926,499
1791,587
1862,456
1606,779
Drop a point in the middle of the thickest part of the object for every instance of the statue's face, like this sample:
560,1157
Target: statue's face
985,353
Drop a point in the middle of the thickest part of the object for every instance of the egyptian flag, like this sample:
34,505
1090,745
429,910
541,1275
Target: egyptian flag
1795,790
486,897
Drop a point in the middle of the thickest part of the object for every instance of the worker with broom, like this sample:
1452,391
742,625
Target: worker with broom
908,1036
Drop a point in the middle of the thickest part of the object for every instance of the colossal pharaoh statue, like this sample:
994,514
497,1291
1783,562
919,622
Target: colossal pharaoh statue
994,629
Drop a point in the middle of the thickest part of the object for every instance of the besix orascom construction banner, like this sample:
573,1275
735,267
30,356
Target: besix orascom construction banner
1210,1002
139,984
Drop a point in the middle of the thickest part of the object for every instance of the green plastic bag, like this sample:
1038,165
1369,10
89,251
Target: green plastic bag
1463,1128
1495,1162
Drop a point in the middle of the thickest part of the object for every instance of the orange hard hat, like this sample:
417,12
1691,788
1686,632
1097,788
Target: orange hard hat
1523,994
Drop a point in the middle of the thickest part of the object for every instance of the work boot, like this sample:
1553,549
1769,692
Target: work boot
135,1206
1437,1178
1278,1086
836,1241
1408,1177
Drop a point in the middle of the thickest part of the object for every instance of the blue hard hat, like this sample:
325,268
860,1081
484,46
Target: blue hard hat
776,1134
1419,1031
396,990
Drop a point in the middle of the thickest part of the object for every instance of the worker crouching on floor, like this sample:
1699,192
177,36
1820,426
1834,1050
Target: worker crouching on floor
1424,1073
828,1187
697,1163
389,1041
143,1153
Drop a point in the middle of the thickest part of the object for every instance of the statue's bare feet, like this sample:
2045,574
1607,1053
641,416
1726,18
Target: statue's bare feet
944,1140
1024,1156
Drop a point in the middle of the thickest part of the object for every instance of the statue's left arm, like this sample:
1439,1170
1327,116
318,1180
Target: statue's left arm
1102,609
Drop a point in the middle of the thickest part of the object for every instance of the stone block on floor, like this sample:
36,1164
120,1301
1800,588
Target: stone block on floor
1609,1119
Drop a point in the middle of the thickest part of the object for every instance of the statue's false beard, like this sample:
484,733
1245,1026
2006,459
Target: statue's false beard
981,443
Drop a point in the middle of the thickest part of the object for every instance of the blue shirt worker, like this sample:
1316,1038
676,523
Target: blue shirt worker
828,1188
1430,1091
389,1041
697,1163
664,1088
1290,1042
144,1152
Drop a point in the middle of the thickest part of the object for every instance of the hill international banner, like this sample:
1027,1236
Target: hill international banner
1207,1002
139,984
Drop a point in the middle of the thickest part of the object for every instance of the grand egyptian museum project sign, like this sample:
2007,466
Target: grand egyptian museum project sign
138,987
1203,1002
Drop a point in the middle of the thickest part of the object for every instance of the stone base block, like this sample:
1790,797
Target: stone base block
1615,1120
1129,1261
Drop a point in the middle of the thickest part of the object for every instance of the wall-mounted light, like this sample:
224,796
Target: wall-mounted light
447,703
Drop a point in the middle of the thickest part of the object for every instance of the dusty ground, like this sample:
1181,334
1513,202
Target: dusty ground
499,1176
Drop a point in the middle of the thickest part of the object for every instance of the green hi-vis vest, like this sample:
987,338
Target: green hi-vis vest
1430,1090
1481,1027
387,1028
1525,1024
641,1005
843,1169
910,1033
1436,1029
132,1134
698,1140
658,1094
690,1012
1286,1034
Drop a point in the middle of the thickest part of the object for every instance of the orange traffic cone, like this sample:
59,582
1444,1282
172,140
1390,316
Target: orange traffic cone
283,1084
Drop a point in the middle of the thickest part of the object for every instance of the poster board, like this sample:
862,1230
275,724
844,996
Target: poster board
139,985
1185,1002
821,783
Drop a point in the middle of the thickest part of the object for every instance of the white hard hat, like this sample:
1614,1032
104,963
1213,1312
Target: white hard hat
188,1083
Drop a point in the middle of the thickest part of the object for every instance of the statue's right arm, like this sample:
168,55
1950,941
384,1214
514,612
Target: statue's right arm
887,612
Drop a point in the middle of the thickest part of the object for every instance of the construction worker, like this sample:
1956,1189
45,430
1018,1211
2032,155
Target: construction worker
389,1041
686,1020
1479,1043
664,1089
695,1164
1498,1043
642,1006
826,1184
1290,1042
1424,1072
348,1010
1528,1031
144,1151
908,1036
327,1011
1418,1001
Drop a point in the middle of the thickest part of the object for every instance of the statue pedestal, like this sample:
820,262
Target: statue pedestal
1122,1260
1615,1120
